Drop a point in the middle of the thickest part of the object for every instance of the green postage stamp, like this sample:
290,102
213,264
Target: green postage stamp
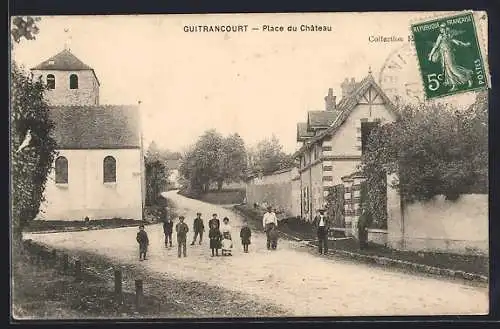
449,55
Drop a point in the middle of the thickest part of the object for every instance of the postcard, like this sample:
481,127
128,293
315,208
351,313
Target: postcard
249,165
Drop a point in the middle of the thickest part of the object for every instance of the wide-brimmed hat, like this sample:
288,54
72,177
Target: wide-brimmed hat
269,208
225,219
321,210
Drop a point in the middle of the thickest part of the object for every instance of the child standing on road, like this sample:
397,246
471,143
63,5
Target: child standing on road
182,229
245,235
227,243
143,241
215,239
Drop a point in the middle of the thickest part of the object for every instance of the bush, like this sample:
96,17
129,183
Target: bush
31,165
433,150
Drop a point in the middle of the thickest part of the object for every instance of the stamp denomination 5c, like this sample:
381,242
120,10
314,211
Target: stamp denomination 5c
449,55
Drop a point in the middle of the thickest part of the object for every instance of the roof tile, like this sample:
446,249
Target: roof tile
96,127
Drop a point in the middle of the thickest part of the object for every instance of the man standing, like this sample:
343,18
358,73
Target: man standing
182,229
198,228
268,220
168,226
214,221
321,224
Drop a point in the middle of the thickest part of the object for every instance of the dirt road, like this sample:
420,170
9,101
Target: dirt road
305,284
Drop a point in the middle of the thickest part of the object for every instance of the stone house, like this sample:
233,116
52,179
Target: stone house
334,139
99,170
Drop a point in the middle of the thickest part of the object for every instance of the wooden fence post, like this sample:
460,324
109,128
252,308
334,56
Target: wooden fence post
78,270
118,286
138,294
53,257
65,263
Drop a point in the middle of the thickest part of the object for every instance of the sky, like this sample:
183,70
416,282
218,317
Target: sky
253,83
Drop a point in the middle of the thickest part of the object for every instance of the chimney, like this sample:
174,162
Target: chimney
330,101
345,88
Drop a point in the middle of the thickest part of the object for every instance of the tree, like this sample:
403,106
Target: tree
24,27
268,156
32,145
233,162
213,158
433,150
156,174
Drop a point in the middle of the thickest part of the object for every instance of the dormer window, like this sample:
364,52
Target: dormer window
51,81
51,62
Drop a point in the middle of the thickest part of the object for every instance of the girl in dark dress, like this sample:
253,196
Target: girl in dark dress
245,235
215,237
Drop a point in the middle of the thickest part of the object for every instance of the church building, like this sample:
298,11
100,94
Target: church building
99,170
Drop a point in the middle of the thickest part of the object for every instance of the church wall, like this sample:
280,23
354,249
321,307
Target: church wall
87,195
86,94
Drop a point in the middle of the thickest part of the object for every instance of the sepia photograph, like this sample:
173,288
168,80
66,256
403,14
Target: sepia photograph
272,165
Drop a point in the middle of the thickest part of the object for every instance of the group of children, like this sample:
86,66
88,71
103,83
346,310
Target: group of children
219,235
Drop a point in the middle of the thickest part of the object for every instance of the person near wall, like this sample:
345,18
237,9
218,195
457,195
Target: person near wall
198,228
363,224
321,223
268,220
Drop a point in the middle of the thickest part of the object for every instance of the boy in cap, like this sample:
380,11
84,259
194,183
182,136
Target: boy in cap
143,241
198,228
182,229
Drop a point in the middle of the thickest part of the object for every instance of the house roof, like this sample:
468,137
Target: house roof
302,132
64,61
96,127
173,164
320,119
346,106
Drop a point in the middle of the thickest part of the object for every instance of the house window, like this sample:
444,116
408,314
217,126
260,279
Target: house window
327,148
61,168
51,81
366,129
327,168
109,165
73,81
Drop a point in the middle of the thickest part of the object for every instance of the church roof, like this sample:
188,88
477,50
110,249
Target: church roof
64,61
320,119
96,127
302,132
346,106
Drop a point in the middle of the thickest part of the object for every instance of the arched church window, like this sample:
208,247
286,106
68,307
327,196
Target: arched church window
51,81
73,81
109,172
61,168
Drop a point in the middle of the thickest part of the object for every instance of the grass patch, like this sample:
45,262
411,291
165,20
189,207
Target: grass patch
477,264
80,225
226,196
46,292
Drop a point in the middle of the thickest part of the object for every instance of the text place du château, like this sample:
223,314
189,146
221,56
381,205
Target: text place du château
263,28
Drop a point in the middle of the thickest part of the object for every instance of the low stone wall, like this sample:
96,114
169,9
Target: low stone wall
439,225
378,236
278,195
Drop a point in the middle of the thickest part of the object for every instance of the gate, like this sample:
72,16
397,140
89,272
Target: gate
336,206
